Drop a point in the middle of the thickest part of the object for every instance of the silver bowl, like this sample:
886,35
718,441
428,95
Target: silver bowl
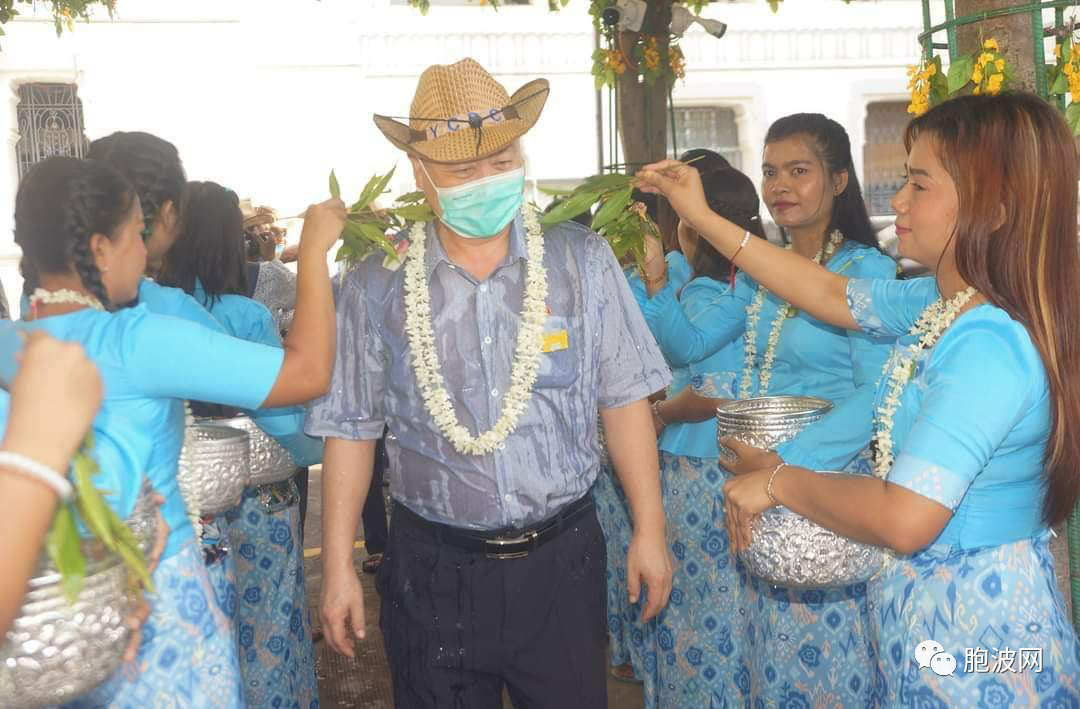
270,461
787,549
57,650
767,421
214,468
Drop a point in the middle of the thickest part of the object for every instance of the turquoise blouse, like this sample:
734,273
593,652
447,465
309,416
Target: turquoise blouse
812,358
149,365
973,422
690,302
250,320
162,300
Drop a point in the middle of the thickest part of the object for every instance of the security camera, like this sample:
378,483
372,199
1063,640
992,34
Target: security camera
682,18
629,16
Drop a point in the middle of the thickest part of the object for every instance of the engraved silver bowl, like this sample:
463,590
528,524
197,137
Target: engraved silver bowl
214,468
787,549
56,650
270,461
767,421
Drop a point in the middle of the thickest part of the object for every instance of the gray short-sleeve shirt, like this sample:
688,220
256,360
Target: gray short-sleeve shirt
552,457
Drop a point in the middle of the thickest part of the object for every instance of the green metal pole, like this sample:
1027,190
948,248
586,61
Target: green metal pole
1059,26
927,38
1040,54
951,31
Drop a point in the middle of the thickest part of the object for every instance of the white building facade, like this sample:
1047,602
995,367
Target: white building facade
266,96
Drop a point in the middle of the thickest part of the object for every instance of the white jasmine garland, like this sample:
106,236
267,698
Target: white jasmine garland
63,296
932,323
530,343
753,315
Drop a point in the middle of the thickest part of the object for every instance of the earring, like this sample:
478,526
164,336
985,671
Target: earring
104,269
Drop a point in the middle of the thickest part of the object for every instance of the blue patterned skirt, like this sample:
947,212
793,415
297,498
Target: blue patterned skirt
701,636
276,655
187,657
630,640
222,571
983,606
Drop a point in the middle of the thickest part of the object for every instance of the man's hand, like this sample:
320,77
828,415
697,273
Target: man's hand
341,610
648,562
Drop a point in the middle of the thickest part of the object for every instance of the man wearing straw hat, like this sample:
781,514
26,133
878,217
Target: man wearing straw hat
488,353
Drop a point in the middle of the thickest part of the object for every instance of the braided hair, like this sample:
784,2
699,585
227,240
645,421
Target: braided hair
151,164
831,144
61,203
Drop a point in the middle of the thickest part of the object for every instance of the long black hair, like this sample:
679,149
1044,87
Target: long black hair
61,203
732,195
210,246
151,164
830,142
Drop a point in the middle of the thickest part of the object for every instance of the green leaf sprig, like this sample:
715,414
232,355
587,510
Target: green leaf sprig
623,227
366,226
63,542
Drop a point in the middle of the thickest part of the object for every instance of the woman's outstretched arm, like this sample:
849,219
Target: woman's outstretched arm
802,283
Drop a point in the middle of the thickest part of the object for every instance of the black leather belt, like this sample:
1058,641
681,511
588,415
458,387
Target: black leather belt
500,544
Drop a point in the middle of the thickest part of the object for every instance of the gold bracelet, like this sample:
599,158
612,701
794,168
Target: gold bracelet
768,488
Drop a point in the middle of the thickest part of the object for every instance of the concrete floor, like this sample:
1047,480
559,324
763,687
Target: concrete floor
365,680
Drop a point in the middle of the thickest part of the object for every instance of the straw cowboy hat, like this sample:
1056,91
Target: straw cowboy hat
256,216
461,113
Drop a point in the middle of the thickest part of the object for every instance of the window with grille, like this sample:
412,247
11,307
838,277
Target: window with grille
50,121
884,156
709,127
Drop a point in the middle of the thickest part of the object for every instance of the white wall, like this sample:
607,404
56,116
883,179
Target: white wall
265,96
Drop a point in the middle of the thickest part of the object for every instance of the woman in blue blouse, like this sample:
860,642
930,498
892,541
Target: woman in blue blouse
972,442
79,225
699,651
276,655
808,645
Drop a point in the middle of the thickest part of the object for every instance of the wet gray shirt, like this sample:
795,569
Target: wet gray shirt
552,458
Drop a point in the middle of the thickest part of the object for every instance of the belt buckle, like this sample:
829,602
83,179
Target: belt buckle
523,539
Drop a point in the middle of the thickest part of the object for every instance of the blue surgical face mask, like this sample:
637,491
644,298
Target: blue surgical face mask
482,208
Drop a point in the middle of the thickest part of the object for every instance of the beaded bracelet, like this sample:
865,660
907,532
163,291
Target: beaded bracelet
742,245
768,488
39,472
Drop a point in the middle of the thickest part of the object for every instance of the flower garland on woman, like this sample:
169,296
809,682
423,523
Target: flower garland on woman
810,188
979,412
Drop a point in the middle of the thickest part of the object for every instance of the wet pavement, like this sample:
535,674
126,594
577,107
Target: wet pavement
365,680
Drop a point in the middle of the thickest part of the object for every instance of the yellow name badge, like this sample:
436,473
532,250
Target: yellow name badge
555,341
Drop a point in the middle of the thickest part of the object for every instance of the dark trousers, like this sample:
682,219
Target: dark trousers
459,626
374,513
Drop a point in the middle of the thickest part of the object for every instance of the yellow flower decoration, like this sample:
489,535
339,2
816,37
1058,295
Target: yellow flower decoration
989,72
919,80
677,61
651,55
